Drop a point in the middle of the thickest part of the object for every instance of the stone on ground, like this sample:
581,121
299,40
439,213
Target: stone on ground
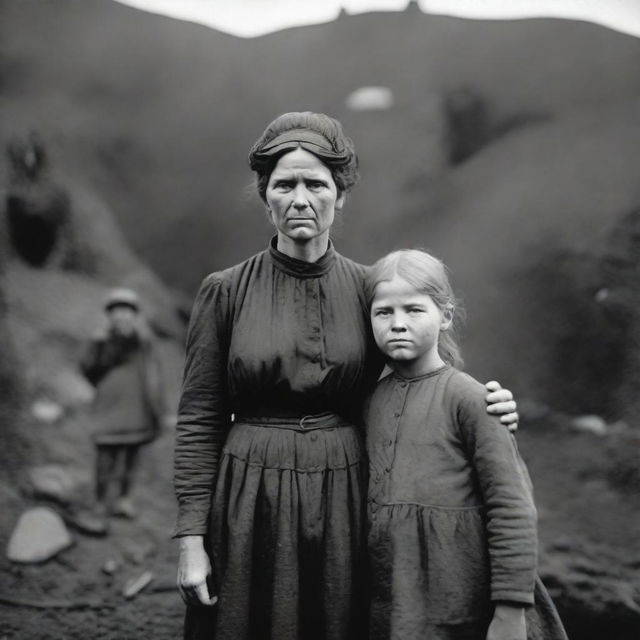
89,522
52,481
136,585
47,411
39,535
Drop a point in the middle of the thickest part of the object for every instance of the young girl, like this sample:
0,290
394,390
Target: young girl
452,535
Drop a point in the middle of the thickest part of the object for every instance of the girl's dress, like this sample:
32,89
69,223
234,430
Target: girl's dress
452,519
278,490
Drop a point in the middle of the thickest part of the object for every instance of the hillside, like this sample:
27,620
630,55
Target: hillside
165,111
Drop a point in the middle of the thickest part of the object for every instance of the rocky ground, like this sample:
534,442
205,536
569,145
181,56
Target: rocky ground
588,497
72,595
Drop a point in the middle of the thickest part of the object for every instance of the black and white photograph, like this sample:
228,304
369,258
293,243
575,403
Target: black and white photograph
320,320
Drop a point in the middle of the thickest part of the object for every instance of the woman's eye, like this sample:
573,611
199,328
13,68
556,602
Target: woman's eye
283,186
315,185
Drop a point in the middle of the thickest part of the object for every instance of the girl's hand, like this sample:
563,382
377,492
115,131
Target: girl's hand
500,401
194,568
508,623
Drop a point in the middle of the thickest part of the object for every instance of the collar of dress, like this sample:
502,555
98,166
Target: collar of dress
301,268
429,374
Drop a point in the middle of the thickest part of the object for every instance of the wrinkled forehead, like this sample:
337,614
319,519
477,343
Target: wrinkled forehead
300,161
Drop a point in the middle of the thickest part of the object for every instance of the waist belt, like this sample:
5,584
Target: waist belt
311,422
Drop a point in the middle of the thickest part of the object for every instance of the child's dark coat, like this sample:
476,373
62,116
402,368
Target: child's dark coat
130,395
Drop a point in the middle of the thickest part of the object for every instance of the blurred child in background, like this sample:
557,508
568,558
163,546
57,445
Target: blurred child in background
130,404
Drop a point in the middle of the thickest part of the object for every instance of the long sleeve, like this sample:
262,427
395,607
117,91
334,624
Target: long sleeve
96,361
506,488
203,413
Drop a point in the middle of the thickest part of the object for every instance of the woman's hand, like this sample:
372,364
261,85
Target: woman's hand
500,401
194,568
508,623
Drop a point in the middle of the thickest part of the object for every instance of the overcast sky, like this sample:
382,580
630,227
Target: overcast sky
248,18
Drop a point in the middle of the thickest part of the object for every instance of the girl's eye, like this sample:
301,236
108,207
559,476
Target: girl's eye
416,310
381,312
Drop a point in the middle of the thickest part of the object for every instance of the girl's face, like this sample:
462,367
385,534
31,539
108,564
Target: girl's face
406,326
302,197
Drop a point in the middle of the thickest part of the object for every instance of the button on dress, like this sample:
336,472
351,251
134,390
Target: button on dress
272,340
452,520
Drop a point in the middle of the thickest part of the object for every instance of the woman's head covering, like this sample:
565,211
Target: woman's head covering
316,133
312,141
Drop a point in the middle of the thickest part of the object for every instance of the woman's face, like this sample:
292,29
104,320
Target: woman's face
302,197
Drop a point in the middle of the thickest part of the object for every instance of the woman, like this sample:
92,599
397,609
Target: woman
281,342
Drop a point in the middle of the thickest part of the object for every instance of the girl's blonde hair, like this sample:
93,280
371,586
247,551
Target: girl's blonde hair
427,275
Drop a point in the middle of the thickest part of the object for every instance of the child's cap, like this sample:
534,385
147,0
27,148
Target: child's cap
122,297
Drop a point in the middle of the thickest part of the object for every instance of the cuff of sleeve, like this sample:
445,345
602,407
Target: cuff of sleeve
181,533
517,597
191,523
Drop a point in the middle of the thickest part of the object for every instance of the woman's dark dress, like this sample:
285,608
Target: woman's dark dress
282,509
